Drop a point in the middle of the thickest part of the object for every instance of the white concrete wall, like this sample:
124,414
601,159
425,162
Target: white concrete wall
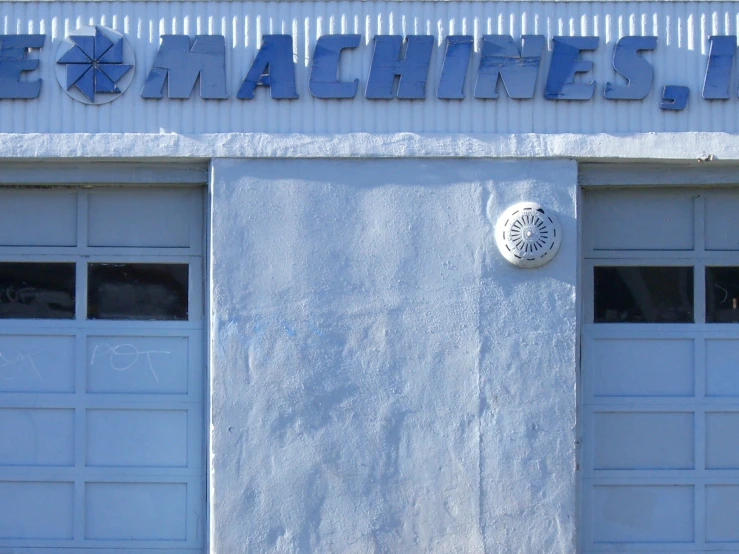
382,380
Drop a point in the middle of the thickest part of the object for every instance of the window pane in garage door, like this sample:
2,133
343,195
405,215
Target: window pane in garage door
37,290
722,294
137,291
642,294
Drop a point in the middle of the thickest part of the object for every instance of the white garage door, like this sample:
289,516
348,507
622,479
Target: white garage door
660,371
101,370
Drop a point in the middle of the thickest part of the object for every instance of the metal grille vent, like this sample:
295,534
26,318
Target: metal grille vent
528,235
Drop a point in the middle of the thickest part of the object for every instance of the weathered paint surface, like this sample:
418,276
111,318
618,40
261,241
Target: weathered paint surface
677,147
382,380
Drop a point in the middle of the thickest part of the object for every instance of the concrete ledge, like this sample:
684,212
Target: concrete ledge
674,147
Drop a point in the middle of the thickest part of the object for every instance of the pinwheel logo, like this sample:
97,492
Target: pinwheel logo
94,64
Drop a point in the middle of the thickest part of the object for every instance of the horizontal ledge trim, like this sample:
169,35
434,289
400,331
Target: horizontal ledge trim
688,148
109,173
388,1
646,174
86,549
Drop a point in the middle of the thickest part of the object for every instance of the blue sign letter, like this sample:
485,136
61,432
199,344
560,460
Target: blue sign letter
13,62
454,68
565,63
718,69
180,66
323,74
637,70
387,64
273,67
517,69
674,98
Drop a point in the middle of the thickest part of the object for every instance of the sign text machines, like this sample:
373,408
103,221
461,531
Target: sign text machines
181,60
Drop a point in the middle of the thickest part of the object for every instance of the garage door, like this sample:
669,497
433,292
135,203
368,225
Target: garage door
660,371
101,370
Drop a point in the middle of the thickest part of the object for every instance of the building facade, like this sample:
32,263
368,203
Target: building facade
353,277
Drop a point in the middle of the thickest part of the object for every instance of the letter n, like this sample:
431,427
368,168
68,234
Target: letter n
501,59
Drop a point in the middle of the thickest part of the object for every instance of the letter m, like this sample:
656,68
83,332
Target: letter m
180,66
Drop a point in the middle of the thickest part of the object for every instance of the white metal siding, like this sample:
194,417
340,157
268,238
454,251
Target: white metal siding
679,59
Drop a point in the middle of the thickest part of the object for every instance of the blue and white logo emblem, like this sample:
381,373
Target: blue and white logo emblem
94,64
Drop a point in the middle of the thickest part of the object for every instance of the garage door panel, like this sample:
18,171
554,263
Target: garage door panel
646,220
101,371
36,510
137,438
641,513
37,363
722,367
140,218
643,440
722,441
722,513
642,367
126,364
36,437
660,425
136,511
721,224
38,217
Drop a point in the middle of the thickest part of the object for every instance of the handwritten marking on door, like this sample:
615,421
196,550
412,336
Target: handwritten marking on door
19,360
125,356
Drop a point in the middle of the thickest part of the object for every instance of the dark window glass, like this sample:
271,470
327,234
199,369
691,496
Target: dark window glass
722,295
137,291
37,290
643,294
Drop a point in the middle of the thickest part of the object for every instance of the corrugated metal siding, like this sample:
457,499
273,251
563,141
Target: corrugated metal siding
680,58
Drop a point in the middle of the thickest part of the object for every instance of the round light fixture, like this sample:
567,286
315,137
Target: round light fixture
528,235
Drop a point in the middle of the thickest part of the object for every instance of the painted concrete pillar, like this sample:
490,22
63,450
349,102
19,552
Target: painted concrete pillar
382,380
